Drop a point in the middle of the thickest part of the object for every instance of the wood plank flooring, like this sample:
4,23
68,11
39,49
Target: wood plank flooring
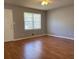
44,47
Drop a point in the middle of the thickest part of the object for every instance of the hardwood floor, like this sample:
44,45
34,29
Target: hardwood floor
44,47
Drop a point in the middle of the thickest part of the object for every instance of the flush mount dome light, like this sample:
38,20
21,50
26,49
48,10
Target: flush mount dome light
45,2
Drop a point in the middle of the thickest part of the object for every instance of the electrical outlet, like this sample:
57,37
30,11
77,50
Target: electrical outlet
32,34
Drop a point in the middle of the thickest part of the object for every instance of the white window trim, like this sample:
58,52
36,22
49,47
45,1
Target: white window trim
33,22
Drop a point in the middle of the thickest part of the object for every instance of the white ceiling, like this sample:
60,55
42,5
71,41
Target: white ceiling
37,3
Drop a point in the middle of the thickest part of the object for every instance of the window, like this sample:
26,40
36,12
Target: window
32,21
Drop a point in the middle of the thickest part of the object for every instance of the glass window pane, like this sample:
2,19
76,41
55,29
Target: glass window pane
27,14
37,21
28,19
32,21
28,25
37,17
37,25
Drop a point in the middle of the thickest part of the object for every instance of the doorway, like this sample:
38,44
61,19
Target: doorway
8,25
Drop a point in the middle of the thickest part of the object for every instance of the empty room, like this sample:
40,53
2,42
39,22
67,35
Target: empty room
38,29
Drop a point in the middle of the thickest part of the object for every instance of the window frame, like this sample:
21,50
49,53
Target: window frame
33,21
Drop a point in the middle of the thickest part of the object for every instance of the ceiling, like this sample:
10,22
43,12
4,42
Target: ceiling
37,3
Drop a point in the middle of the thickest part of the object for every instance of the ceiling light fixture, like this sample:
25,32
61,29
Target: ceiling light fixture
45,2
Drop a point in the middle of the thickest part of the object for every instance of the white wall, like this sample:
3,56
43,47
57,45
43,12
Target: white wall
60,22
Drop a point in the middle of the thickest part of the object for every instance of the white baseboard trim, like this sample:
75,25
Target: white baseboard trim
39,36
29,37
25,37
60,36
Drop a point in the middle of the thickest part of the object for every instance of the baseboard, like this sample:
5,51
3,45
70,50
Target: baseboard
39,36
61,36
29,37
26,37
